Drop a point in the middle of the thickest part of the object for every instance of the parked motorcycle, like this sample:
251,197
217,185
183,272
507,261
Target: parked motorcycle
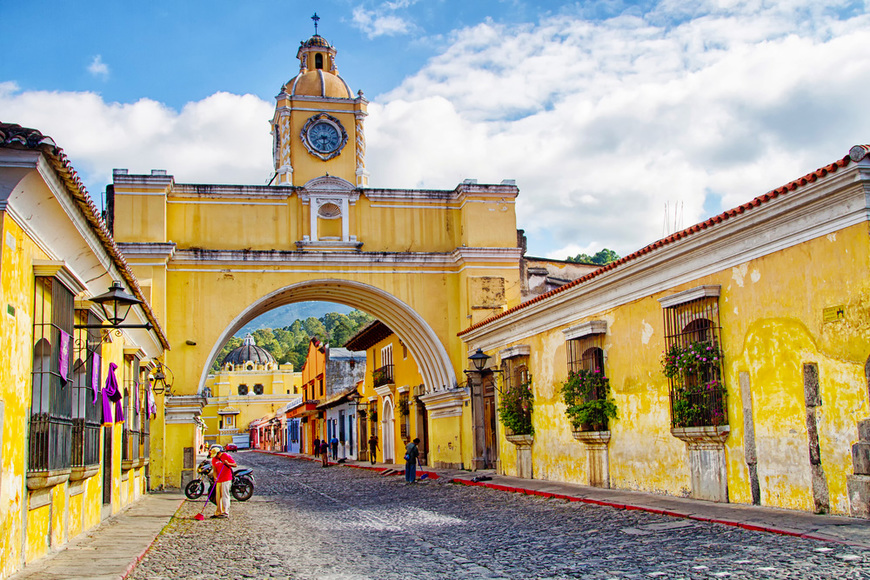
242,486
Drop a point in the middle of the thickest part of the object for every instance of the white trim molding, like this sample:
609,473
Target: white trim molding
689,295
585,329
515,351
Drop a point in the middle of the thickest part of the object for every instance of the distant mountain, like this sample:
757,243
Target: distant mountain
285,315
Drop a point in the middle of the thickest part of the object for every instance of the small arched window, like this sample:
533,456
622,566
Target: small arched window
318,61
243,390
258,389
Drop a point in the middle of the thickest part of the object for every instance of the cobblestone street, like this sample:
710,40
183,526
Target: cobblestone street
308,522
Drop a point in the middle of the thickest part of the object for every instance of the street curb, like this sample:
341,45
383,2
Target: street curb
745,525
138,559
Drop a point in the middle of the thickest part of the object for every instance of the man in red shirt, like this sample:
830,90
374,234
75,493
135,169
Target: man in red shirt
223,466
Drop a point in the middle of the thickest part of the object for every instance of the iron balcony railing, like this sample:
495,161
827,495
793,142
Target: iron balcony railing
382,376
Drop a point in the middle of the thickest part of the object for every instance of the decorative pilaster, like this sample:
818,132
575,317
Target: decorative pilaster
706,446
524,454
597,456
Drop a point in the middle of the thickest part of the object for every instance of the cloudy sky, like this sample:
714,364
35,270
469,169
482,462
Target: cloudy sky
619,120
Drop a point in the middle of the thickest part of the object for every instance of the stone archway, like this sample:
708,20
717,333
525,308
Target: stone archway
431,356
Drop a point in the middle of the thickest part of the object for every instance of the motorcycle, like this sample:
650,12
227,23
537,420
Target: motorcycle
242,486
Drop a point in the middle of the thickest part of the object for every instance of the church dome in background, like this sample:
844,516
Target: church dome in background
248,352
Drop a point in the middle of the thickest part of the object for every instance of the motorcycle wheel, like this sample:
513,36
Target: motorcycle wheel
243,490
194,489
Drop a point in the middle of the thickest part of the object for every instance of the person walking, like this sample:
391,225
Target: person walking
324,453
373,448
334,444
315,450
223,465
411,455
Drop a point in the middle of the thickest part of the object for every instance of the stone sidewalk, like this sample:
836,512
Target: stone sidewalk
111,550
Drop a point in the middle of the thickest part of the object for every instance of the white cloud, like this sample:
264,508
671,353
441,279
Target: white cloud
98,68
223,138
380,22
603,123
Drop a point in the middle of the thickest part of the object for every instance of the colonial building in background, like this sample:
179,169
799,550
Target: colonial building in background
728,361
389,398
249,384
75,397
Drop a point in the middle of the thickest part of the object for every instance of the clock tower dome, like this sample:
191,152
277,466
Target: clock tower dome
318,124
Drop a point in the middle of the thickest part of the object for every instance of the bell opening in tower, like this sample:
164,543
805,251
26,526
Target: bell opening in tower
318,61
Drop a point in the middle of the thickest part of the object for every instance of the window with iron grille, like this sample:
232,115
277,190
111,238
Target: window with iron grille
515,398
258,389
586,353
243,390
86,416
693,358
50,429
145,419
131,411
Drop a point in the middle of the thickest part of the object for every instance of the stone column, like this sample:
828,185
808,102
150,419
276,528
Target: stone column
475,381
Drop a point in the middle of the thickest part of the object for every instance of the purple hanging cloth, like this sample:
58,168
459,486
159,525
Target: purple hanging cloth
136,397
111,393
95,377
63,355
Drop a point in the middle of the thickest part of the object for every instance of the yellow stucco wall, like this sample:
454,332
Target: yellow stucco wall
16,332
771,312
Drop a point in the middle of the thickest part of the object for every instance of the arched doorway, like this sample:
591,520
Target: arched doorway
388,428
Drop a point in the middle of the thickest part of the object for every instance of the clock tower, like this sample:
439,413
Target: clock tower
318,124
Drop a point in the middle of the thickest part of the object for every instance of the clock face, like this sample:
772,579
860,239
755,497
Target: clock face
324,137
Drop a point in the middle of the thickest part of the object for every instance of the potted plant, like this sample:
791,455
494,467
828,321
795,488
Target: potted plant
515,409
404,407
697,392
588,404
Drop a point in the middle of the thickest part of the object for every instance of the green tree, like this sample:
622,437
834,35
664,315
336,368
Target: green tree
601,258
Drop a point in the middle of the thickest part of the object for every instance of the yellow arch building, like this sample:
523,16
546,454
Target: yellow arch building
213,257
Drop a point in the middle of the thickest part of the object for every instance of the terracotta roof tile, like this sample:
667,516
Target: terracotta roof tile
856,154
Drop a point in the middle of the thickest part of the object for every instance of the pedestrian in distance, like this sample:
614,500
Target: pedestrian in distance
334,444
324,453
315,450
411,455
373,448
222,464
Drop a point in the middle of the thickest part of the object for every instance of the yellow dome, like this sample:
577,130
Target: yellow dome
318,83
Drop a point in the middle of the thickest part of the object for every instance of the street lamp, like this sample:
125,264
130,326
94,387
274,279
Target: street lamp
478,359
116,305
162,382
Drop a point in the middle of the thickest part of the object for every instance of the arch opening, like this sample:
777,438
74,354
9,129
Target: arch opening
431,356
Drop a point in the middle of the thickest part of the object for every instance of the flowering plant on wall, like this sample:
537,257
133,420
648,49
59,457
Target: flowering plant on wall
515,408
587,400
697,391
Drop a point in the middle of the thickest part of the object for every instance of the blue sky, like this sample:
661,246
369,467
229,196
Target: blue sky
612,116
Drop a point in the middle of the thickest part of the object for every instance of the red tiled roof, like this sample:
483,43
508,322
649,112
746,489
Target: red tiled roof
857,153
17,136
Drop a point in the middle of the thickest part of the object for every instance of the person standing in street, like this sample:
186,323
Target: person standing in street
411,455
334,444
315,450
373,448
223,465
324,453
